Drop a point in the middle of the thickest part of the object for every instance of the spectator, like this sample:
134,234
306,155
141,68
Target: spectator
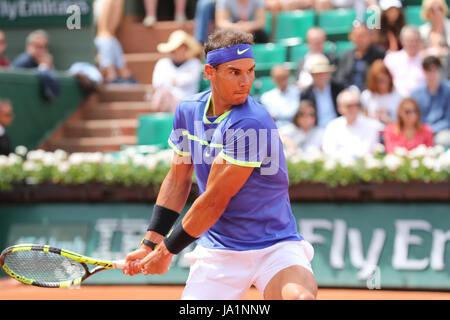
380,100
111,61
281,101
406,65
4,62
302,134
352,134
392,21
151,7
177,76
204,17
36,54
354,63
436,32
408,132
245,15
315,39
6,118
324,91
433,99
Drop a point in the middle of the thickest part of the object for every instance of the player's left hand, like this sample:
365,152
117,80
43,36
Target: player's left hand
158,261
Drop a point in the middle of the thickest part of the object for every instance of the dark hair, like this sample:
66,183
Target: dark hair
430,61
304,104
227,37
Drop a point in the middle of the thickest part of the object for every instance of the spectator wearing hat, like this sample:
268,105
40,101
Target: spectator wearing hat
4,62
392,21
323,91
354,63
315,40
281,101
6,118
178,75
434,101
352,134
406,65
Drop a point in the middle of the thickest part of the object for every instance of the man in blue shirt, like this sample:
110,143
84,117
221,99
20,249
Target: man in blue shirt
242,218
434,100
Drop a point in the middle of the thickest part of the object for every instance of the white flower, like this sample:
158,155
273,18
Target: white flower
330,164
415,164
95,157
418,152
372,163
379,148
428,162
31,166
76,158
13,159
3,161
401,151
392,161
346,161
60,155
48,159
138,160
35,155
63,167
21,150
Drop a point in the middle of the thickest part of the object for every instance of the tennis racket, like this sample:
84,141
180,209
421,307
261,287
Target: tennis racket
50,267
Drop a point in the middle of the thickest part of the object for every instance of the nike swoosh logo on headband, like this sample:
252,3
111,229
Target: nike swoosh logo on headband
239,52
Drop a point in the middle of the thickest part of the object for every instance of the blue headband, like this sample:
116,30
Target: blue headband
235,52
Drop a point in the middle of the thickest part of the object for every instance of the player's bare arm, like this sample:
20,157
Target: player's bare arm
173,195
224,181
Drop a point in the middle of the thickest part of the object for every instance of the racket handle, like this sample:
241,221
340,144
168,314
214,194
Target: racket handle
118,264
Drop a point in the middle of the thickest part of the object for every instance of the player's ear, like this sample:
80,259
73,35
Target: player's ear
209,71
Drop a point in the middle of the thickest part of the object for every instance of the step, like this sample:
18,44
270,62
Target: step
142,65
137,38
101,128
117,110
92,144
125,92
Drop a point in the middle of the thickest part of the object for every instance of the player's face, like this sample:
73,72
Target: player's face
233,80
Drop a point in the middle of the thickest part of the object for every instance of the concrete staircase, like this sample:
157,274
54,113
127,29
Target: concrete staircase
109,119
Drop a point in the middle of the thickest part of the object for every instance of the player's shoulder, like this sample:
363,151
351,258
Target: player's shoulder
191,103
252,113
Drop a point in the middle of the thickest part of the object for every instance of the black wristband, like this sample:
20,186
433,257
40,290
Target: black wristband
178,239
162,220
148,243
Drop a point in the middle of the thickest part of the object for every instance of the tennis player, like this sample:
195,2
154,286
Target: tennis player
242,220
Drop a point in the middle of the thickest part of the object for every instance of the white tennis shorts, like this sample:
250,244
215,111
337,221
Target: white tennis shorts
227,275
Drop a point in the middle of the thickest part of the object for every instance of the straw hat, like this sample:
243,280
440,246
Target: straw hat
176,39
318,63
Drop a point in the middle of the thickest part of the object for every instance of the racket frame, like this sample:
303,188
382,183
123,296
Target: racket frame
83,260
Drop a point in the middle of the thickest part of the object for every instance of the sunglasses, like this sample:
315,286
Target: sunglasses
306,114
410,111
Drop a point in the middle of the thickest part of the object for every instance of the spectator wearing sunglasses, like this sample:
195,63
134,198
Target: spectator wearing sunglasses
4,62
302,134
408,132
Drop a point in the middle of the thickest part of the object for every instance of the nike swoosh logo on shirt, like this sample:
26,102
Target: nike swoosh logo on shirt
239,52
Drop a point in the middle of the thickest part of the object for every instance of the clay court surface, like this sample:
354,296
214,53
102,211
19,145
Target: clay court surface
10,289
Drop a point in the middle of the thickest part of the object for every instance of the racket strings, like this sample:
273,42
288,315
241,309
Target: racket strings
43,266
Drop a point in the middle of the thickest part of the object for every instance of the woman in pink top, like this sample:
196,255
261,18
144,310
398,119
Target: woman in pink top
408,132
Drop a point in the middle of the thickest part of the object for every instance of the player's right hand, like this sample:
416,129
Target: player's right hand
133,260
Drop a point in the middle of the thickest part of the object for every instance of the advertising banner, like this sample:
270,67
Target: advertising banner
370,245
71,14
